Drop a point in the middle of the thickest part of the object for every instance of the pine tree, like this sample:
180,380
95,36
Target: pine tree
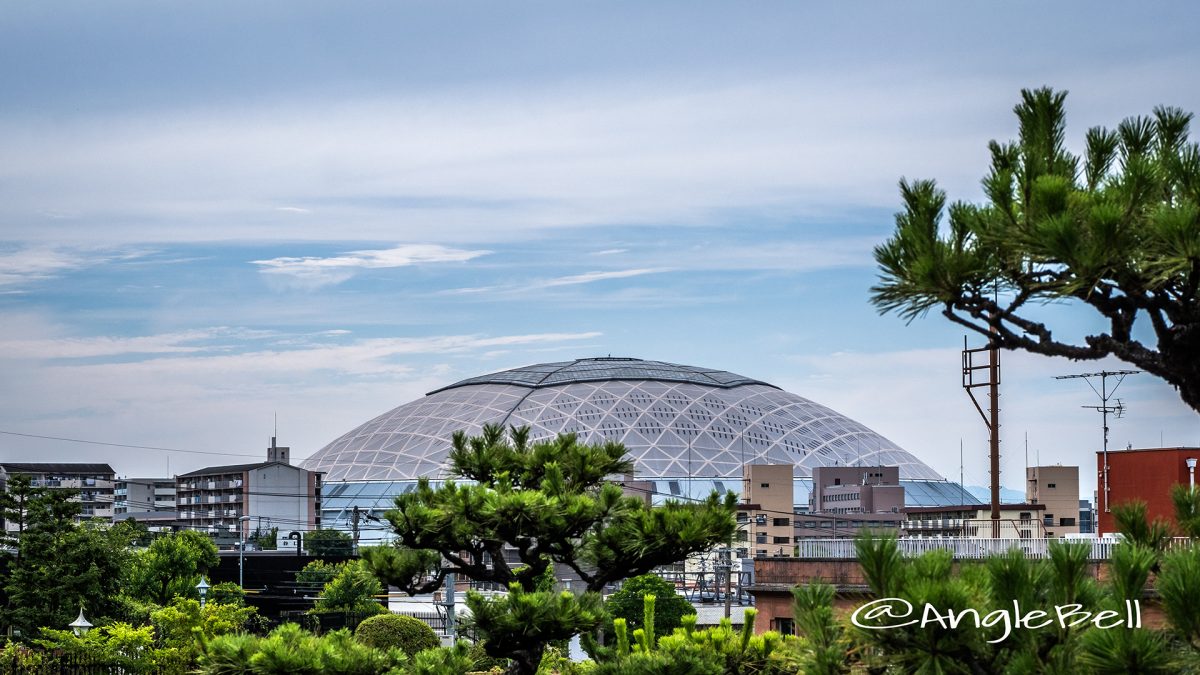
523,507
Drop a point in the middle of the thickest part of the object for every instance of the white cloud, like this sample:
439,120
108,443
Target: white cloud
541,284
591,277
37,263
313,272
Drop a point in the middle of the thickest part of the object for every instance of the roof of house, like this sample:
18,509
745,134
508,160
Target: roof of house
235,468
55,467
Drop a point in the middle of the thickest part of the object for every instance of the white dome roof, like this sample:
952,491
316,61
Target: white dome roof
675,421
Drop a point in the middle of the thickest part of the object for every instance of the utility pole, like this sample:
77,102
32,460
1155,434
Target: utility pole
354,530
969,373
1104,408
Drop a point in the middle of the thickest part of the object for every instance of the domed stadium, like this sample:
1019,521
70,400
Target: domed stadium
688,430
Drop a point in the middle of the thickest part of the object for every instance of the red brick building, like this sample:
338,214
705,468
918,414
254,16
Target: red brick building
1145,474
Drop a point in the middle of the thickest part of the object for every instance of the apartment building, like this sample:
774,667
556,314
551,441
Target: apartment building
1017,521
142,495
765,516
1057,488
847,499
94,483
230,502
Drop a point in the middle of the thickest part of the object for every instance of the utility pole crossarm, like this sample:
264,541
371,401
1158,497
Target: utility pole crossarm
1104,409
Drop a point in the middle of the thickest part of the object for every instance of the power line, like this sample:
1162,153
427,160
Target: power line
127,445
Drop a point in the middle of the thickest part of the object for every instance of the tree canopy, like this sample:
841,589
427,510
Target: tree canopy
1116,229
524,507
172,566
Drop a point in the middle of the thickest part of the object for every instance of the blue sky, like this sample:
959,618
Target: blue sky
213,214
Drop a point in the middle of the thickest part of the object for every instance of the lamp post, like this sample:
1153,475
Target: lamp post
80,625
242,552
203,588
1191,465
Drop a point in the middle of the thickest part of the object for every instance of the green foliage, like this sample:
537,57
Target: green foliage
266,540
328,543
172,566
57,564
551,503
385,631
445,661
626,603
520,624
227,593
1116,229
290,650
1178,586
1186,501
824,646
1121,651
352,589
117,645
183,621
319,572
1133,522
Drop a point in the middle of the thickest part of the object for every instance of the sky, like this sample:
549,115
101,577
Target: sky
223,219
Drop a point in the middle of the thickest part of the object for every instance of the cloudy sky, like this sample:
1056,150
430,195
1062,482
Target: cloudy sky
216,214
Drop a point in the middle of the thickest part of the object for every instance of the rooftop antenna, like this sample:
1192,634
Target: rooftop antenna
1104,408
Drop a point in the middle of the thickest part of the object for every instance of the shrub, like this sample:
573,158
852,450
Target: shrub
395,630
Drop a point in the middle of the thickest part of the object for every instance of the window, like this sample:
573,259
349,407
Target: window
782,540
760,538
765,485
781,522
837,481
762,552
1066,522
785,626
1051,485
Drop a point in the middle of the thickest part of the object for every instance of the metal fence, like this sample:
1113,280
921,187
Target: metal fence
963,548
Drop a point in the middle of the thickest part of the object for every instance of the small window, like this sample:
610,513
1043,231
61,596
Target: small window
781,540
837,481
1066,522
1051,485
781,522
765,485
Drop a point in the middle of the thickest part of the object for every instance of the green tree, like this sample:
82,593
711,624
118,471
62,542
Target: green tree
328,543
353,590
58,564
545,503
627,603
1117,230
172,566
265,540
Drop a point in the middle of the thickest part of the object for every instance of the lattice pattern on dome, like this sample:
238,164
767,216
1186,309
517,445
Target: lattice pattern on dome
671,428
606,368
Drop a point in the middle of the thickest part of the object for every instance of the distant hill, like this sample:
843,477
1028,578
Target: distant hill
1007,496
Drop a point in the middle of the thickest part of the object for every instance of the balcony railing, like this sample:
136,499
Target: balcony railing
963,548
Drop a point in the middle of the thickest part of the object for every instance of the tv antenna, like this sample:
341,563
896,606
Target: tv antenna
1117,409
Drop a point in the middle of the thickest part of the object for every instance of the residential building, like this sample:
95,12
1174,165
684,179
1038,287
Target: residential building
94,483
847,499
142,495
1057,488
1087,517
1017,521
268,494
765,516
1145,474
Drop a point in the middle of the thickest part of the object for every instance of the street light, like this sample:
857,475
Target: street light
242,552
81,625
203,588
1191,465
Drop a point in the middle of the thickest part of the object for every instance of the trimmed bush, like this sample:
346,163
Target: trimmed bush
396,630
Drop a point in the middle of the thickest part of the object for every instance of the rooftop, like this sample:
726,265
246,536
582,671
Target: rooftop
55,468
607,368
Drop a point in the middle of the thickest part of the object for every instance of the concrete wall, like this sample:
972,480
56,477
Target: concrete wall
281,493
